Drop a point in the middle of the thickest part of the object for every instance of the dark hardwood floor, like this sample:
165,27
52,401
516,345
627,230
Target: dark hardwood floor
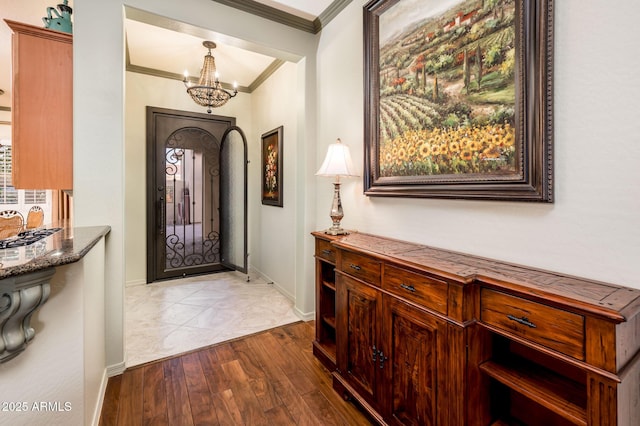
269,378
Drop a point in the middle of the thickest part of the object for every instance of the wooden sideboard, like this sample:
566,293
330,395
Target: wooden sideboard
422,336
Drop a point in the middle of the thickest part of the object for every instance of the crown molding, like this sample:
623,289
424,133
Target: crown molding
273,67
329,13
173,76
270,13
273,14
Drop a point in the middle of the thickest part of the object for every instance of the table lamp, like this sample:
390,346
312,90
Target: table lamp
337,163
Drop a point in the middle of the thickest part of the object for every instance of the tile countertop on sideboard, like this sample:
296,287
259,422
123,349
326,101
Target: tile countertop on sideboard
68,245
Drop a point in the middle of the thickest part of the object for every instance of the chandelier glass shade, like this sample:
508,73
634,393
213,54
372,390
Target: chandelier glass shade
209,91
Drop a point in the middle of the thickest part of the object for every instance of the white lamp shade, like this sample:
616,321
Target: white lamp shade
337,162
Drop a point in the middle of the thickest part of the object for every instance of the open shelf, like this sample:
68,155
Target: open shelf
330,285
330,348
324,345
330,321
547,388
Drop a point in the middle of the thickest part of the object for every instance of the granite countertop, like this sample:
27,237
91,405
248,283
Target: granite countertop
65,246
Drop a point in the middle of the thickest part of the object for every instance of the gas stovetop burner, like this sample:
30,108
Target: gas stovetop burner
27,237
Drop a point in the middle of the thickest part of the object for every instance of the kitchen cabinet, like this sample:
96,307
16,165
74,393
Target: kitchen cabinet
425,336
42,108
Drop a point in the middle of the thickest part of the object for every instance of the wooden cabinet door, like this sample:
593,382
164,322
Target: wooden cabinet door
42,108
358,313
415,348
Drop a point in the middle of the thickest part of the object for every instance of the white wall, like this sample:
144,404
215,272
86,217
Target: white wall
98,149
592,228
273,239
142,91
93,322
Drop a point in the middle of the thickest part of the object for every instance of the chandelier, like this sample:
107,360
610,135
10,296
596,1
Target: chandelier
209,92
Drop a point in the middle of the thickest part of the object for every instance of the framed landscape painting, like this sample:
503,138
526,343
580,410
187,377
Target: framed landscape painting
458,99
272,167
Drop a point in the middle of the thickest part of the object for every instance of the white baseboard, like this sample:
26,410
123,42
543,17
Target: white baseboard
115,369
98,409
285,293
304,316
255,272
134,283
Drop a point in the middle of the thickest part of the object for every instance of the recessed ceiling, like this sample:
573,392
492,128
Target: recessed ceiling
172,52
155,48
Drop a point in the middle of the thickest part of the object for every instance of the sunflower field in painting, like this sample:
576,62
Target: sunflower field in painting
447,93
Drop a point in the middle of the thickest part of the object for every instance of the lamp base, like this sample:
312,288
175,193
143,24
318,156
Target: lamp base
336,231
336,211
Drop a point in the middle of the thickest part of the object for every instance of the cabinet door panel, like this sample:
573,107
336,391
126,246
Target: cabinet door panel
414,340
358,314
42,108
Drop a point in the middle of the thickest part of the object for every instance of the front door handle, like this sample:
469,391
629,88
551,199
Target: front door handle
161,224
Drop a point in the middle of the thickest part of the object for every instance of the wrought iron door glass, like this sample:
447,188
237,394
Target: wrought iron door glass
190,218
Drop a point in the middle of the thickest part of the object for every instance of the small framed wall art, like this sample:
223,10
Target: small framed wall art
272,167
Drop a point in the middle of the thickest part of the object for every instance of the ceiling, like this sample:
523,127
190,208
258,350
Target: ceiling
153,48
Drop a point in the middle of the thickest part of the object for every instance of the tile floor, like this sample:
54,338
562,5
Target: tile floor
171,317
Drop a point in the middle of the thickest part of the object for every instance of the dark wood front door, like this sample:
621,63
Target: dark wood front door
183,193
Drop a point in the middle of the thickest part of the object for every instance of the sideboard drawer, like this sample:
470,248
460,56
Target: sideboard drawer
554,328
363,267
325,250
421,289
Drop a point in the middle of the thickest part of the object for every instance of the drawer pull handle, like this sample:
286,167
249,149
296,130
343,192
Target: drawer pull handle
356,267
408,287
523,321
374,353
327,252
